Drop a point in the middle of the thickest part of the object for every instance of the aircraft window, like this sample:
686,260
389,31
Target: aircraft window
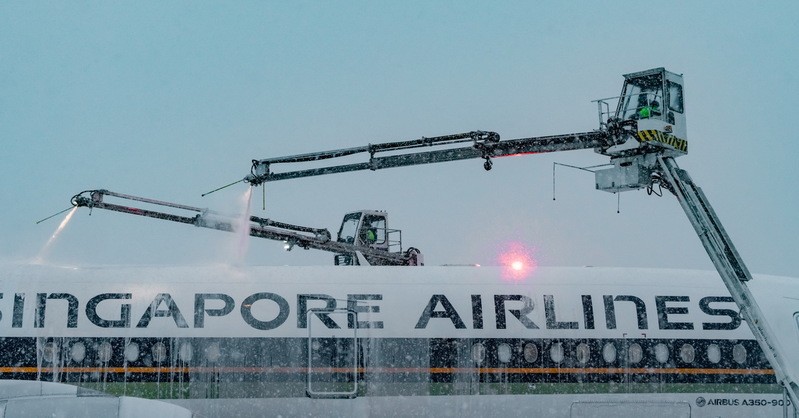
185,352
104,352
50,352
556,352
675,97
132,352
478,353
687,353
714,353
159,352
77,352
661,353
213,352
583,353
635,353
609,352
739,353
530,353
503,353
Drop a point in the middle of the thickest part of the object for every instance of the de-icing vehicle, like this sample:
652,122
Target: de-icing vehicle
645,122
642,131
642,137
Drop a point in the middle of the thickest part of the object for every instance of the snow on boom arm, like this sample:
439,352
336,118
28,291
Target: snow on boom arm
642,131
484,145
293,235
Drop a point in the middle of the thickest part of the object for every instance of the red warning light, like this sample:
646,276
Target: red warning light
517,261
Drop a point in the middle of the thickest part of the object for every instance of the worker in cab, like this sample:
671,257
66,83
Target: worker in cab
368,235
646,112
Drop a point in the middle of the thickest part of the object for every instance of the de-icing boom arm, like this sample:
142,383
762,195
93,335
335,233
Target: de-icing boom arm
292,235
484,145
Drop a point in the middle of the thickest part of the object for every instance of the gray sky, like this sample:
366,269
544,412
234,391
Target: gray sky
172,100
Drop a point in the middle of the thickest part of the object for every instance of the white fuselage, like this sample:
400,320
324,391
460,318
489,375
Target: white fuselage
398,340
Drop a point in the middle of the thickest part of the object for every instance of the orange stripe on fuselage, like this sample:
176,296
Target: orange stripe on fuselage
432,370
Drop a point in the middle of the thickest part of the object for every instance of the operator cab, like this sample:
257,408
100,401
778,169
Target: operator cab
365,228
650,121
651,113
653,101
368,228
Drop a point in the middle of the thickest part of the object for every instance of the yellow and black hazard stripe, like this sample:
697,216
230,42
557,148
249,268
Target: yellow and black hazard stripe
664,138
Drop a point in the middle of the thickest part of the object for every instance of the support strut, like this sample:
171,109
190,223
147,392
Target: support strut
730,266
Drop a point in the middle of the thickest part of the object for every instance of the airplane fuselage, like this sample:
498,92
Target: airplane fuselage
560,340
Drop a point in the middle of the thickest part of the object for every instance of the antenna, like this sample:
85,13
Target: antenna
53,215
220,188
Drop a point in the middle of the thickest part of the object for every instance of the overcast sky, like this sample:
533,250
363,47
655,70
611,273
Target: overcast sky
169,100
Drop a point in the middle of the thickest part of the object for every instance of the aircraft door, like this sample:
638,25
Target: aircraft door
332,353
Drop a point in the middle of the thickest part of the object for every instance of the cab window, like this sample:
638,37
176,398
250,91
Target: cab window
377,224
640,93
675,97
349,227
